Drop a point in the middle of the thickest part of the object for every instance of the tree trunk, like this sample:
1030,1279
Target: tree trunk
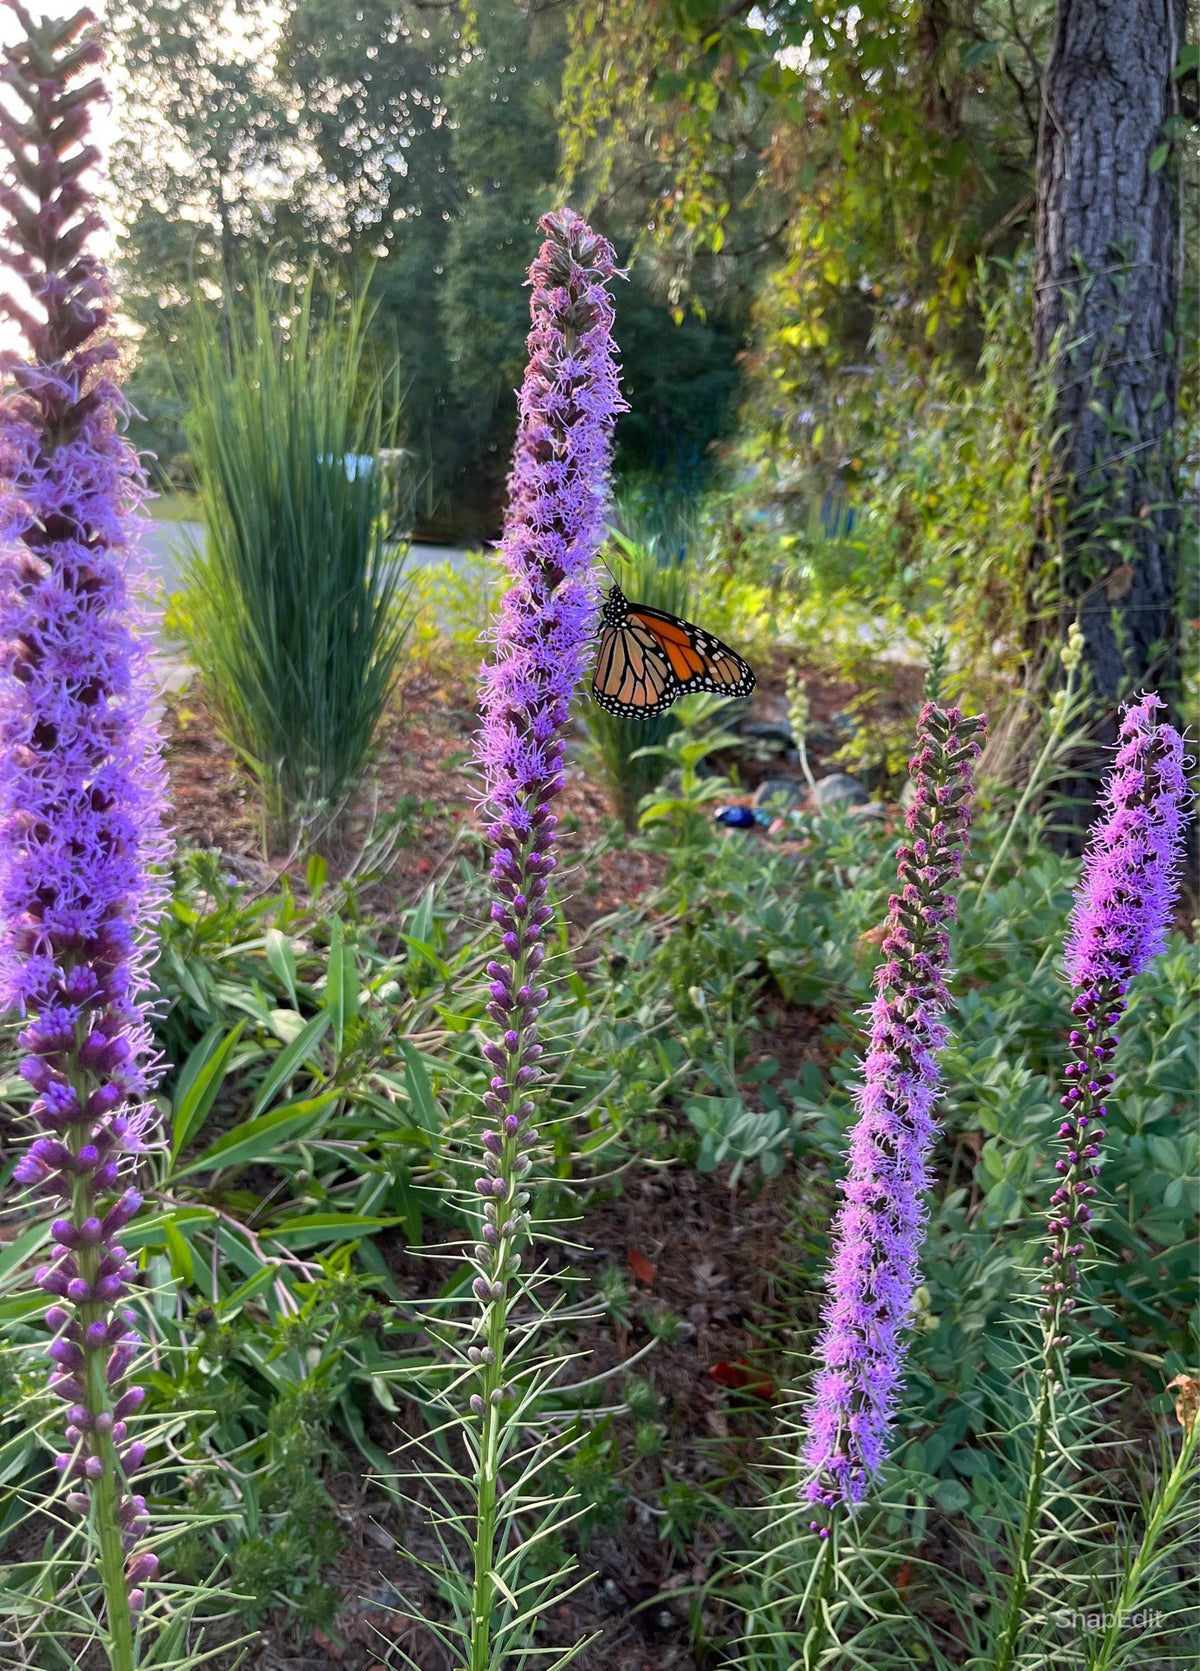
1107,282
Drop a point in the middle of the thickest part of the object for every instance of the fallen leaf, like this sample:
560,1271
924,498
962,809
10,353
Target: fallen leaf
742,1377
903,1576
641,1267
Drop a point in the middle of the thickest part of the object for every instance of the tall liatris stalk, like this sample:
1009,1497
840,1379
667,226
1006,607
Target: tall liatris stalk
878,1232
1121,913
555,524
81,783
1119,922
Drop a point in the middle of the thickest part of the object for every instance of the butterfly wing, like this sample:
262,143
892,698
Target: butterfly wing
697,659
634,677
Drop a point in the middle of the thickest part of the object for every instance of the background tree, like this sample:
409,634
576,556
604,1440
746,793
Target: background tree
420,142
202,168
1106,304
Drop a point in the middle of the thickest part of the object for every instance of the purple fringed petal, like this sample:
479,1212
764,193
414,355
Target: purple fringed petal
874,1264
83,849
1122,910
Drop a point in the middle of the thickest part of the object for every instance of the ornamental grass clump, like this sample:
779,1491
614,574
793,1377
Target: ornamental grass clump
554,527
879,1228
81,784
295,611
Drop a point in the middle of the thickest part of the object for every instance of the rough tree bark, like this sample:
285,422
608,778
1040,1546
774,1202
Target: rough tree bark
1107,277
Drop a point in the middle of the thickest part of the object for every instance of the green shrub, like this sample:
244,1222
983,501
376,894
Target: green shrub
293,612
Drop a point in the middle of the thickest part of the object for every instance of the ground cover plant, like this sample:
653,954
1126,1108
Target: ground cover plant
503,1185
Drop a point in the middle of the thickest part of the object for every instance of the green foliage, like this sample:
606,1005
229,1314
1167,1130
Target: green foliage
293,612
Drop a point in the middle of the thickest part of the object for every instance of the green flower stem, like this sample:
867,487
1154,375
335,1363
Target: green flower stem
1109,1653
106,1528
1018,1588
818,1587
502,1263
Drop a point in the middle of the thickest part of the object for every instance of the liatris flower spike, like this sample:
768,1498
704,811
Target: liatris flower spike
554,527
878,1231
1119,922
81,782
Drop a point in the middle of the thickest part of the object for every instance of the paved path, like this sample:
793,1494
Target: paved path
167,546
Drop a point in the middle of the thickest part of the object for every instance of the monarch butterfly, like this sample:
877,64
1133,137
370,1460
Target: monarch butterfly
648,659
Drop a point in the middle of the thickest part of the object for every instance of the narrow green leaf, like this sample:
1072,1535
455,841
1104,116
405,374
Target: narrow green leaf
300,1050
420,1092
17,1252
202,1077
183,1268
341,994
325,1228
260,1138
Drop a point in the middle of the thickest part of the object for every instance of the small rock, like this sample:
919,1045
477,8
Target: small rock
767,731
781,794
873,812
908,795
840,789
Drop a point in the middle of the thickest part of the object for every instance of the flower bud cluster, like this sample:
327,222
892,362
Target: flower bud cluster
1119,922
81,779
555,523
879,1228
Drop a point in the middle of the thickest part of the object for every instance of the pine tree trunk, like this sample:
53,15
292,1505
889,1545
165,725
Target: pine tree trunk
1107,277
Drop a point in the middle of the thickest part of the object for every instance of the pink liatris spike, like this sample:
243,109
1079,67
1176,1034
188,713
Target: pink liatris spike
879,1228
555,525
1122,910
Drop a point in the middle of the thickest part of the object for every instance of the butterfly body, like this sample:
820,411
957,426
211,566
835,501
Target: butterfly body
647,659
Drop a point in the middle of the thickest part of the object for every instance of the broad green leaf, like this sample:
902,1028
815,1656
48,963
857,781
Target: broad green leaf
282,959
183,1267
258,1139
299,1050
316,875
286,1025
202,1076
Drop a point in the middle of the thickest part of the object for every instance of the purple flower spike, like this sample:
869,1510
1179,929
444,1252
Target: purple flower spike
82,844
879,1228
1122,910
554,526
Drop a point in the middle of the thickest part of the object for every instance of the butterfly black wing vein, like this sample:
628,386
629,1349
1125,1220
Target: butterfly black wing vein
647,659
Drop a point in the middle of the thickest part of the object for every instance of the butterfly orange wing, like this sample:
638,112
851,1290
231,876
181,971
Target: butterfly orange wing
652,658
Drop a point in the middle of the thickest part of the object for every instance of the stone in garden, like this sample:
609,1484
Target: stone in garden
778,732
840,789
781,794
